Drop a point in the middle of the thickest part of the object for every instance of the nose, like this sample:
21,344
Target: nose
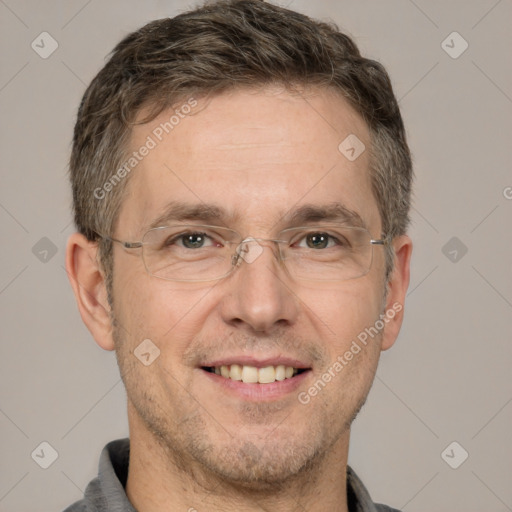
260,296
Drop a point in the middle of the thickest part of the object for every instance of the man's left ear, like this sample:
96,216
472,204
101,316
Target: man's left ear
397,289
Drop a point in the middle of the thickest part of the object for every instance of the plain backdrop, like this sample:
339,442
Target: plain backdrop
448,377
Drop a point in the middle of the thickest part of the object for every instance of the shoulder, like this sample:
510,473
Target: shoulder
106,491
80,506
358,497
382,508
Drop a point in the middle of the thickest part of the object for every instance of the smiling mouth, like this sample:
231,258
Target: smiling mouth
253,375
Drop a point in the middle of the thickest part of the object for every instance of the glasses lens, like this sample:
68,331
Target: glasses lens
189,252
327,253
205,253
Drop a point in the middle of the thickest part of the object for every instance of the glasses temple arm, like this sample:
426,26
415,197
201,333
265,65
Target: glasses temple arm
126,245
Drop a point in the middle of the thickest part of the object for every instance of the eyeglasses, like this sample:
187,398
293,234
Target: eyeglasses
200,253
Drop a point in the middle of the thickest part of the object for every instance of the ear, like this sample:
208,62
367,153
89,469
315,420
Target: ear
88,282
397,289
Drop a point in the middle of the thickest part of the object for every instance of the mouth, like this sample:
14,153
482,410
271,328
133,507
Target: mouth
248,374
256,379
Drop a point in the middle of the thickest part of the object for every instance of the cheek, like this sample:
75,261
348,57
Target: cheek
342,314
353,352
168,313
152,309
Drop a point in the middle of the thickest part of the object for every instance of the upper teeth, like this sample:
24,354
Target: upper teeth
251,374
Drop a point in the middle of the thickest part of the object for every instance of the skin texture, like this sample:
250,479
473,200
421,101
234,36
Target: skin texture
259,155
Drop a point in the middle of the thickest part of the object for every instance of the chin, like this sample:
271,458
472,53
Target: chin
245,459
245,465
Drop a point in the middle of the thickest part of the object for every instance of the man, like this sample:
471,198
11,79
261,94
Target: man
241,185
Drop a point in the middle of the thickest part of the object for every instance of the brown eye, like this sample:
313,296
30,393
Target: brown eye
317,240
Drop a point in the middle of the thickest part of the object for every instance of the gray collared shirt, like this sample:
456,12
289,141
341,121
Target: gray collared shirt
106,492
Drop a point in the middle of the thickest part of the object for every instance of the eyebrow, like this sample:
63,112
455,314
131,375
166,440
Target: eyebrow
333,212
178,211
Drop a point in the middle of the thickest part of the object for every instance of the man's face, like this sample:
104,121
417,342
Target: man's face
259,157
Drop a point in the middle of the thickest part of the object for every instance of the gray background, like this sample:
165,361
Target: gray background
448,377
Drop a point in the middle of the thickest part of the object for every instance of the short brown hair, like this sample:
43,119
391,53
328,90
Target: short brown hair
224,45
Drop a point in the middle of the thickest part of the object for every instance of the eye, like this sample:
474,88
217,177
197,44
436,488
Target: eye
316,241
321,240
191,240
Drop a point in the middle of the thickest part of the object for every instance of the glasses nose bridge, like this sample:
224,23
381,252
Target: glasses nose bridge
255,246
275,241
268,242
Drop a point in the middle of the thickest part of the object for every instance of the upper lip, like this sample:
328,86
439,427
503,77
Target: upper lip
258,362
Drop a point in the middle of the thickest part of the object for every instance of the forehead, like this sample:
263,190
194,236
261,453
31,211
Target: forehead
257,157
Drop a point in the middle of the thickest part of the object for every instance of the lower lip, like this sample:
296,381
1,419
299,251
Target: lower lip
258,392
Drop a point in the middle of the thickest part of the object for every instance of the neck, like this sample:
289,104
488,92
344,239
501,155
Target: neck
157,478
